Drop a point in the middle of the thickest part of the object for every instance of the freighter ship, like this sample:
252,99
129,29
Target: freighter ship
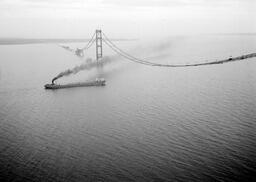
97,82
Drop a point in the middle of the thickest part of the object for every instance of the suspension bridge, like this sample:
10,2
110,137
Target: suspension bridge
99,37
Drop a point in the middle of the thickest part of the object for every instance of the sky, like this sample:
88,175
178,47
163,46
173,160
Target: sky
124,18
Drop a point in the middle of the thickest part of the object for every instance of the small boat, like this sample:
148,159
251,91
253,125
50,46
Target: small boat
97,82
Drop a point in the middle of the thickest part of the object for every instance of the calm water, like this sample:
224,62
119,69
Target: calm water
146,124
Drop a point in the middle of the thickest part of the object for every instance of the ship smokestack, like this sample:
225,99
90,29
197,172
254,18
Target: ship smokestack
55,78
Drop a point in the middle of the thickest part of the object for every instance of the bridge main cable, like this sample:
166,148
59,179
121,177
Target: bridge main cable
123,55
91,41
119,51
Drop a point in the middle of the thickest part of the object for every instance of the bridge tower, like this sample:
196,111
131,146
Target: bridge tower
98,45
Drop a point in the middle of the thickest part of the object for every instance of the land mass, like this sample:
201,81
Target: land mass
15,41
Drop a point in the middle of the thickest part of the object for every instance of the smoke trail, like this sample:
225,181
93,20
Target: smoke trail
87,65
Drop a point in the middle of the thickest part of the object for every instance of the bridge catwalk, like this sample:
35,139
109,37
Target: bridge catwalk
124,54
119,51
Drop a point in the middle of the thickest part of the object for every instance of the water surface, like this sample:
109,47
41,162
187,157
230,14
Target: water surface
146,124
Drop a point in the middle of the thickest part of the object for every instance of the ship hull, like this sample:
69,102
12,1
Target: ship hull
83,84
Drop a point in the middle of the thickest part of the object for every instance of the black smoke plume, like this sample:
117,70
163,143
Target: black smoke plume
87,65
